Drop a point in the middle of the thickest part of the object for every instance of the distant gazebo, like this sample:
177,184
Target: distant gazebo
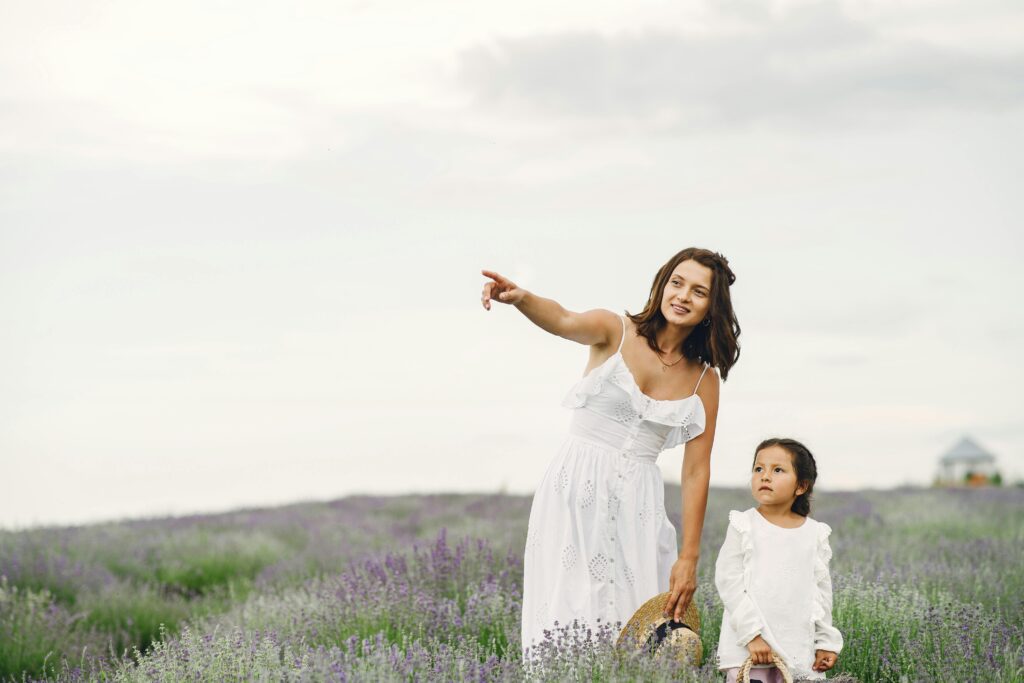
966,463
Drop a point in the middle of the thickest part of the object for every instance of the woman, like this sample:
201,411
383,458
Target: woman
599,543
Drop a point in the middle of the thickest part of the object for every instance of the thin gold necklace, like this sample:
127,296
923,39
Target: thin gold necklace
664,365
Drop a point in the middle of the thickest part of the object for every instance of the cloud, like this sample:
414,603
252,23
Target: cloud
809,64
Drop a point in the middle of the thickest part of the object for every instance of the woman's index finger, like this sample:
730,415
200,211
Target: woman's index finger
494,276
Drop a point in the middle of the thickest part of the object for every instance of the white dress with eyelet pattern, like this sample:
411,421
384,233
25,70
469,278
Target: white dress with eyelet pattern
599,543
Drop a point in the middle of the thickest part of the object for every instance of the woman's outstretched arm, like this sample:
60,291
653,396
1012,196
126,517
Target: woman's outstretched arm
594,327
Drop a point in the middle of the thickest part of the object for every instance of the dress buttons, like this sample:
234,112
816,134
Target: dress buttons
612,560
611,580
612,518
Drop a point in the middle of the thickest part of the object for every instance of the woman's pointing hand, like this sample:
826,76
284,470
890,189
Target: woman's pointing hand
502,289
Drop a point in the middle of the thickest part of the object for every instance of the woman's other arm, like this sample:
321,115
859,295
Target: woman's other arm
696,478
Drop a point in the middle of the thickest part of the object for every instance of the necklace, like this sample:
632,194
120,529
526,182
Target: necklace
665,366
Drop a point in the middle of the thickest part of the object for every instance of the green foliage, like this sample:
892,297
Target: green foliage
132,616
193,562
36,632
26,636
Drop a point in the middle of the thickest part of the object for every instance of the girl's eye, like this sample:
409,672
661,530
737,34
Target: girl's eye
700,292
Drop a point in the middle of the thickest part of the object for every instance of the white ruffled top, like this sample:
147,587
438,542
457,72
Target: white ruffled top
775,582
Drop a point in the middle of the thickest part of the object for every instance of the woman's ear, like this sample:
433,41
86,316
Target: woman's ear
801,488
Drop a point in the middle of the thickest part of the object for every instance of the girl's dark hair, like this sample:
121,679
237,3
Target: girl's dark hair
806,469
715,344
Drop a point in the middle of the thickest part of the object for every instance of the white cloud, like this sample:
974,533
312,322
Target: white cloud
809,64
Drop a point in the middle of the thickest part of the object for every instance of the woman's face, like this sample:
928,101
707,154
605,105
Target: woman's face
687,296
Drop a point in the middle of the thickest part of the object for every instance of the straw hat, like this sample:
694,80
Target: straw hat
649,629
744,674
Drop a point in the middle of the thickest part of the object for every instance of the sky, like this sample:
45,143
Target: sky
241,243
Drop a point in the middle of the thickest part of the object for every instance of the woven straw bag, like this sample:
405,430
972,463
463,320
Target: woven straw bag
648,629
744,674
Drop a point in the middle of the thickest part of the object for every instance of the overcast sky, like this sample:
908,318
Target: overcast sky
241,243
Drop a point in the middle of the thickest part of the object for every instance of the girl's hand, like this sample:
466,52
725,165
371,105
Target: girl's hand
502,289
760,651
824,660
682,583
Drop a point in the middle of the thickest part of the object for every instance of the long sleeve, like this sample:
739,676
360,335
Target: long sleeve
744,617
826,636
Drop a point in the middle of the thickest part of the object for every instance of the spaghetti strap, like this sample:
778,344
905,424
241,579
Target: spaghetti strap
623,319
706,366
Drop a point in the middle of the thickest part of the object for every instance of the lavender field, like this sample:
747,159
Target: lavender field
928,586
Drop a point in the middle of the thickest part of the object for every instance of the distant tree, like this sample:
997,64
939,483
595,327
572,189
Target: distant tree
996,479
968,476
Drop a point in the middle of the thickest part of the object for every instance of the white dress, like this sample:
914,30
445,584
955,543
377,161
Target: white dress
775,582
599,543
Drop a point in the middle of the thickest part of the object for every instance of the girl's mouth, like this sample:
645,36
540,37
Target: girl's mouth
680,309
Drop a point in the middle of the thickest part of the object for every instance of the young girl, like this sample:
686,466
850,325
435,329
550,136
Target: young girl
772,573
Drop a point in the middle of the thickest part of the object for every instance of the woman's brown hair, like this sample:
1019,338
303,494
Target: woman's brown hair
716,343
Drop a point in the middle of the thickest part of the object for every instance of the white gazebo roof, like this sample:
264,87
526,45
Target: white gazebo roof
967,451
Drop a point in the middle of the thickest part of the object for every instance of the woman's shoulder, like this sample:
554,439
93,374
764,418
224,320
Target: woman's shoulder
598,328
709,383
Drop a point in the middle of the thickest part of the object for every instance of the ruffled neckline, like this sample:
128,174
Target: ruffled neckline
757,514
672,412
622,362
632,379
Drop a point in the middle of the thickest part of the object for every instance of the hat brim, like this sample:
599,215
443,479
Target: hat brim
649,617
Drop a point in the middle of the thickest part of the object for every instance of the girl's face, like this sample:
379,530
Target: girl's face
687,296
773,479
